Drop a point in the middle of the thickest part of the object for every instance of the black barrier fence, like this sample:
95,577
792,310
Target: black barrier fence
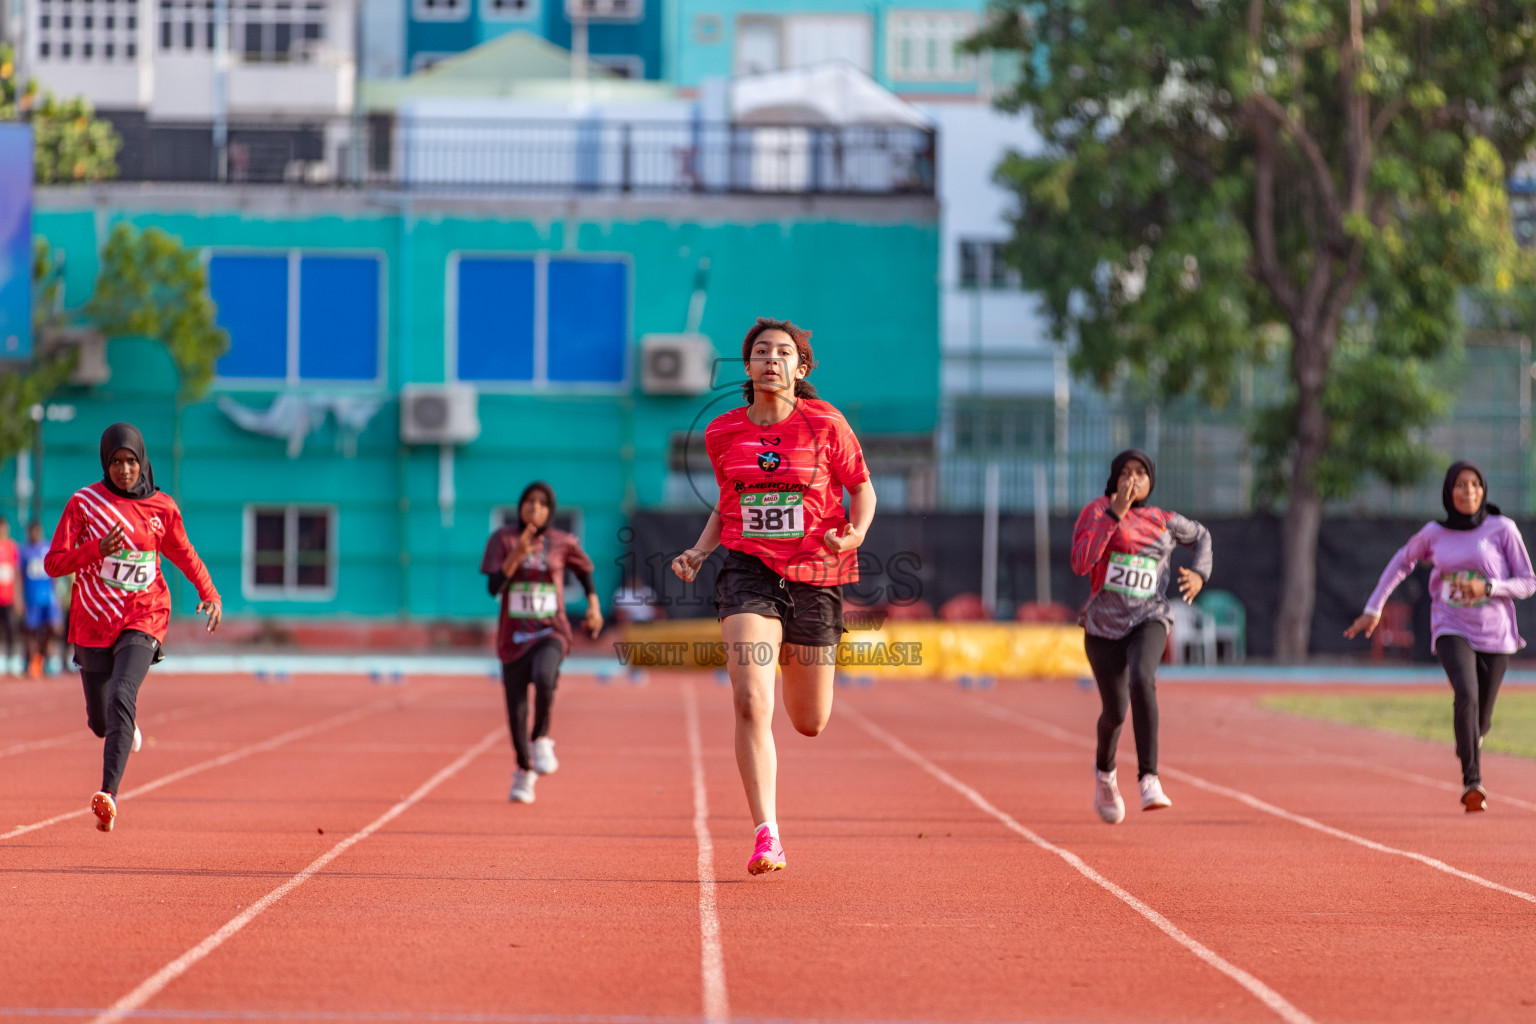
934,557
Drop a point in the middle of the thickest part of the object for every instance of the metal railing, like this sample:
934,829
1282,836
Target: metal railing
541,156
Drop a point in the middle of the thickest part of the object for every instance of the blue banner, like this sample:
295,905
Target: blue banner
15,241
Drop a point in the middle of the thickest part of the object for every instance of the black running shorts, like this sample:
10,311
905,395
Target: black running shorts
812,616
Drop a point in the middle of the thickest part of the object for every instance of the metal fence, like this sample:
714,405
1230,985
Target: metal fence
599,156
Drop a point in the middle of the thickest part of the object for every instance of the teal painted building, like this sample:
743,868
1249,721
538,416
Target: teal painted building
908,46
336,300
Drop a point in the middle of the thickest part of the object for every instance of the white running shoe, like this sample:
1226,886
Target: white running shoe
138,739
1106,797
522,787
544,760
1152,796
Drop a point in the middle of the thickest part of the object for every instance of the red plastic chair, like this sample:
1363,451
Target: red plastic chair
1394,630
964,608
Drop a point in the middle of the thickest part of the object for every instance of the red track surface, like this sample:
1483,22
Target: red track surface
909,895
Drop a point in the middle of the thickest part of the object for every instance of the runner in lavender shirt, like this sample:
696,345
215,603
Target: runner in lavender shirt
1480,570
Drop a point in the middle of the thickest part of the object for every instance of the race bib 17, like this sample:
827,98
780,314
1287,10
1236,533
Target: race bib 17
1131,575
773,515
128,570
1453,589
531,601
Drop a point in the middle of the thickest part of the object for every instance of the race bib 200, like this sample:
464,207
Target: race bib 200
1131,575
773,514
1453,589
128,570
531,601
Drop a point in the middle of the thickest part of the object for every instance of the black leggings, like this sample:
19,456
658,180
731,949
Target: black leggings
1475,678
13,631
541,667
112,677
1126,671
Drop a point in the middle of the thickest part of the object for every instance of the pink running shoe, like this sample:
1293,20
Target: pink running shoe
769,855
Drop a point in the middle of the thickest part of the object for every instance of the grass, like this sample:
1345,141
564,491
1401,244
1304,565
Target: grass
1426,716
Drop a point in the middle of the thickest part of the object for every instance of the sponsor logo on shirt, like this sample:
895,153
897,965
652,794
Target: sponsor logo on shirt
156,525
770,462
766,441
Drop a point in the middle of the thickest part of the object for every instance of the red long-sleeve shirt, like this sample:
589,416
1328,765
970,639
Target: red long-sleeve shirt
127,590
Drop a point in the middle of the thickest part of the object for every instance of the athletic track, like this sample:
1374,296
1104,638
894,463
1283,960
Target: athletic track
332,850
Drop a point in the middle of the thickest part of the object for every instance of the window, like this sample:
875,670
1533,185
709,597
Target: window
767,43
275,31
297,317
984,264
758,46
440,10
289,551
83,28
922,46
537,320
605,10
509,10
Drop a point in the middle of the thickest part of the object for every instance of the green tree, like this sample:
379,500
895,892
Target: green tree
72,144
1313,181
153,286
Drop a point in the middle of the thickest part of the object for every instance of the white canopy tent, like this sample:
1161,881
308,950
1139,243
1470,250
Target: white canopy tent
823,94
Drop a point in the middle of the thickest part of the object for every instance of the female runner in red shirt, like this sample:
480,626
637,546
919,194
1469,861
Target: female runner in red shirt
109,536
782,462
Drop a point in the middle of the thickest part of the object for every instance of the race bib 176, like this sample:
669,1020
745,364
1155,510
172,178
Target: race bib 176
531,601
773,514
128,570
1131,575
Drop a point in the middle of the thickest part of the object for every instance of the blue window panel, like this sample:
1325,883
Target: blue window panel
251,293
495,320
588,320
338,318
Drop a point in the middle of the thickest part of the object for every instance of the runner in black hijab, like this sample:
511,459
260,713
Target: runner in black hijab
126,435
1458,520
1118,463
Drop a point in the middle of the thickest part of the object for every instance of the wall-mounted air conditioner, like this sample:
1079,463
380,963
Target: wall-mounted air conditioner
439,414
675,364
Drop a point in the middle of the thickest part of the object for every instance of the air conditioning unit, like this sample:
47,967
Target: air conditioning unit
605,10
439,414
675,364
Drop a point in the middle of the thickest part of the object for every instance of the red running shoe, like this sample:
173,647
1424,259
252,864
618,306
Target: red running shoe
105,809
769,855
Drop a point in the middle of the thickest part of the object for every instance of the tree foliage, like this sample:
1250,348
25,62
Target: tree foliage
21,389
71,143
1311,181
153,286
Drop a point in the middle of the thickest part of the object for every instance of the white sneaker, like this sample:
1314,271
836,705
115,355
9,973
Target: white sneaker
544,760
1152,796
522,787
1106,797
138,739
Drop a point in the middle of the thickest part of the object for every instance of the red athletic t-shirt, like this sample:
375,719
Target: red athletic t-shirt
126,590
10,569
781,489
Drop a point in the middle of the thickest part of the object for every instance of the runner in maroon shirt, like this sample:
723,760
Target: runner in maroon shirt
782,462
525,568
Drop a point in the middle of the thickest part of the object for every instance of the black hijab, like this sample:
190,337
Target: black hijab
1456,520
549,499
126,435
1119,463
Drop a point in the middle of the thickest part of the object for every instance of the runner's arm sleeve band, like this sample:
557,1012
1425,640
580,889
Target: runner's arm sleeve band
494,582
1193,535
1409,555
176,546
1090,537
584,577
1521,581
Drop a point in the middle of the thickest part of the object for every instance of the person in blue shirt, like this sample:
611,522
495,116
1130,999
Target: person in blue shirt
40,598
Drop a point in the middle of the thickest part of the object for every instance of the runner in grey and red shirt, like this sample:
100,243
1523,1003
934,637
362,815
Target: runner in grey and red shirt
1123,546
525,568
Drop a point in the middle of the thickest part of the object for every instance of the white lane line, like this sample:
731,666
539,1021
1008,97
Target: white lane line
1257,804
717,1008
157,982
1260,991
224,759
160,718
